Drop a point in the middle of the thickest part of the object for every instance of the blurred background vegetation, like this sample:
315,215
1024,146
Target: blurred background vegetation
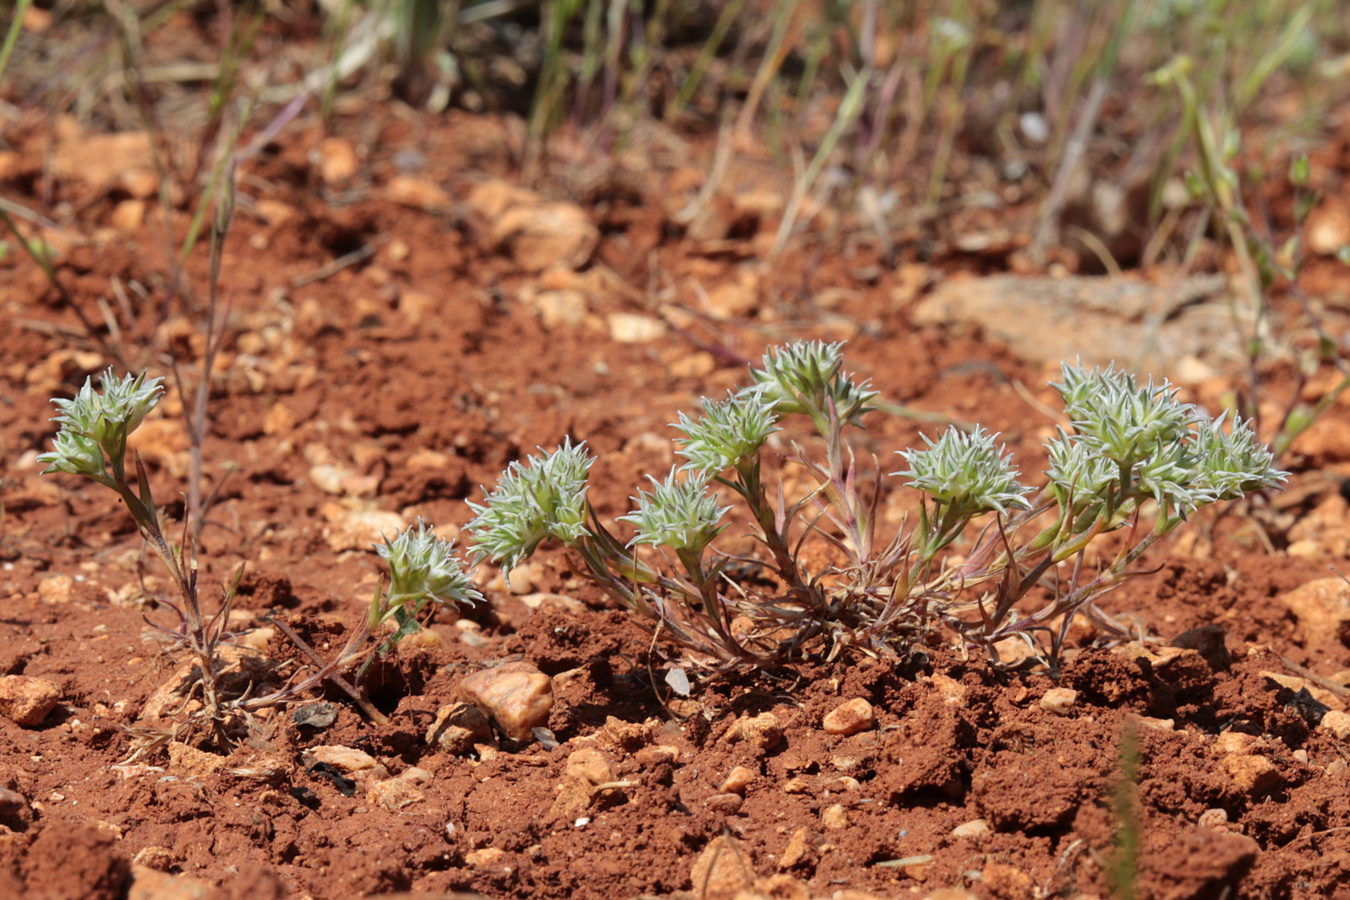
1098,119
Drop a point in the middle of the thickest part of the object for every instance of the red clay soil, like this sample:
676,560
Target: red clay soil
1194,765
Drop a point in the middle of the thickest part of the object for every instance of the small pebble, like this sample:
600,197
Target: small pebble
834,817
26,701
1213,818
737,780
851,717
763,732
517,695
973,828
1059,700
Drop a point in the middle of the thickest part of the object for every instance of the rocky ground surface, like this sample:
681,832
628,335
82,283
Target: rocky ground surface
403,321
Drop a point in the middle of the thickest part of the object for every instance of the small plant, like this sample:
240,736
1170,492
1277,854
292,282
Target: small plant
92,442
1135,451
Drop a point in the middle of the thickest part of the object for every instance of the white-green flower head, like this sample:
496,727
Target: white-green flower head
966,472
1168,476
1079,469
421,565
801,377
1130,422
730,431
105,418
681,515
1233,462
545,497
75,454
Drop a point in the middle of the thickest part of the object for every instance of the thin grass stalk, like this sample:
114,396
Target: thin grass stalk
699,69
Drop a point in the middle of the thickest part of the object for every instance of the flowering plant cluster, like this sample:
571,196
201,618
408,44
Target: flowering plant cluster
92,442
1135,453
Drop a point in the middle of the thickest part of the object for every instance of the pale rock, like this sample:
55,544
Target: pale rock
657,755
1003,880
489,200
161,859
539,600
546,234
517,695
359,529
1235,742
56,589
422,639
848,718
1326,442
1322,608
760,202
632,328
348,760
1092,319
26,701
101,160
1336,723
737,780
487,857
1296,684
585,772
1307,549
561,309
418,193
834,818
629,736
1059,700
337,160
722,870
329,478
1213,818
1328,228
762,732
187,761
726,804
428,461
274,212
953,692
164,440
367,453
1150,722
279,420
255,639
693,365
140,183
734,300
395,793
415,305
796,851
797,784
458,728
973,828
1253,775
778,887
127,216
149,883
519,581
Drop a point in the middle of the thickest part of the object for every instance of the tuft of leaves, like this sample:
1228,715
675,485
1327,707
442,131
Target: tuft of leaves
540,499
